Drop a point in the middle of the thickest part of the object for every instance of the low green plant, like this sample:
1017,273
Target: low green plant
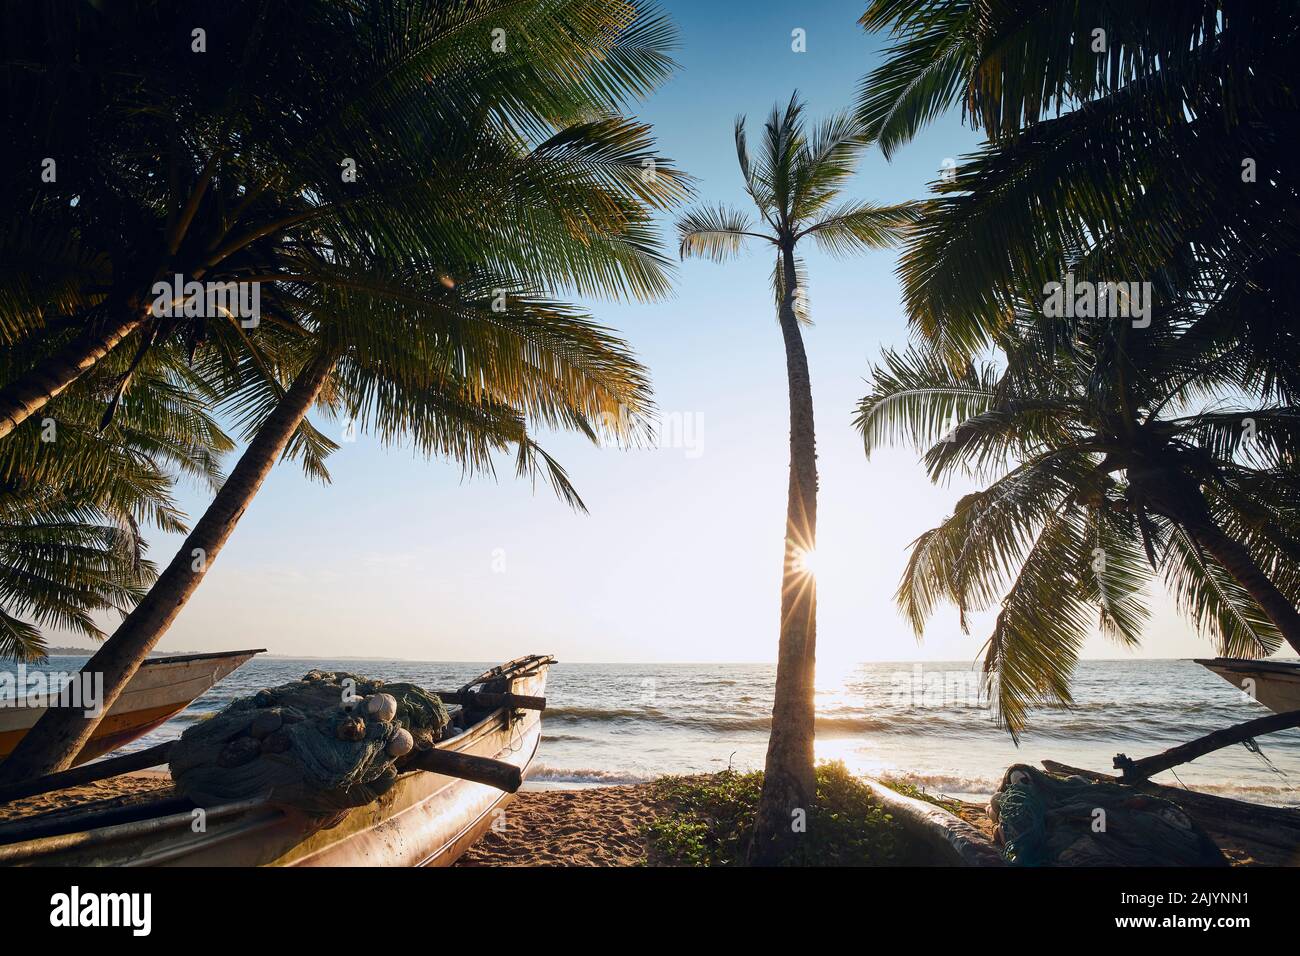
708,821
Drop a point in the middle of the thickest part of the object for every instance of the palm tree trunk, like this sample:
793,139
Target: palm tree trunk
29,393
789,781
1181,500
61,733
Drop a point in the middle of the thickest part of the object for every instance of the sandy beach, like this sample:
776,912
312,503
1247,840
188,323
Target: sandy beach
597,826
592,826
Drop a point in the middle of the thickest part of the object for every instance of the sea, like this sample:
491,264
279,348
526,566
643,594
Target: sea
929,724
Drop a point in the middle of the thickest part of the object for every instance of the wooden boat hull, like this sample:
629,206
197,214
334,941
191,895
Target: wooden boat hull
160,689
426,819
1275,684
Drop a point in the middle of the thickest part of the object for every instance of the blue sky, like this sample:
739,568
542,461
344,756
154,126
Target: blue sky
680,557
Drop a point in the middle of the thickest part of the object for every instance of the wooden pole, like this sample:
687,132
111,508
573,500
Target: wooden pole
494,773
87,773
492,701
1135,770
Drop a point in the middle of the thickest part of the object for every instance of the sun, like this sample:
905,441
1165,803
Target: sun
804,561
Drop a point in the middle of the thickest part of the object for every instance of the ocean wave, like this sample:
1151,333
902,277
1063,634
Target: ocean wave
945,783
545,774
553,714
941,784
707,721
1254,793
928,722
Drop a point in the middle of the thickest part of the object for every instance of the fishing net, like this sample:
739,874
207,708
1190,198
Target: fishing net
1044,820
326,743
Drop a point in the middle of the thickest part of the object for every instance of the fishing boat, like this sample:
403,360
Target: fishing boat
1275,684
160,689
444,800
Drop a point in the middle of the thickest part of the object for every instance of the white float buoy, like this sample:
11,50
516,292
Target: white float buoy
401,743
382,706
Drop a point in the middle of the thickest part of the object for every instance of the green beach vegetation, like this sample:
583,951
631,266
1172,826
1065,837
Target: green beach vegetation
709,820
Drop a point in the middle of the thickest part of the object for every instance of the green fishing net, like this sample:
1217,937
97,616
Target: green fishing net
321,744
1044,820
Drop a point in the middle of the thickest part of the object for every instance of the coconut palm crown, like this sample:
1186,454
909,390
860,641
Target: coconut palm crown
1108,459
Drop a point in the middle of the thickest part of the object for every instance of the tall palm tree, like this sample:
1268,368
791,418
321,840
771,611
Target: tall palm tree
1107,457
358,118
433,325
795,182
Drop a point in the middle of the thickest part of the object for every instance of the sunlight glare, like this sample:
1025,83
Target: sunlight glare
804,561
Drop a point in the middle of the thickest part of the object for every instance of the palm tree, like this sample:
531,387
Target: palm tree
74,497
419,99
1136,141
1107,456
795,183
433,325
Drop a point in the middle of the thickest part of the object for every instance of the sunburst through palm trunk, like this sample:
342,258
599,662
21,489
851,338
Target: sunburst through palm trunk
795,183
789,782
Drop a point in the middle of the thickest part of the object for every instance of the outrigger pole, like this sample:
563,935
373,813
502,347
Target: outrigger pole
1135,771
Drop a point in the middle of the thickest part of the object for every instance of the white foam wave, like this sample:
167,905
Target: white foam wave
588,775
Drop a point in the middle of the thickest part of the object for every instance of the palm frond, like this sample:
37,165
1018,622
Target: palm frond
1219,606
716,232
1039,632
854,227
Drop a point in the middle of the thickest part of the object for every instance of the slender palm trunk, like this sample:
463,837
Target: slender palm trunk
29,393
61,733
1181,500
789,782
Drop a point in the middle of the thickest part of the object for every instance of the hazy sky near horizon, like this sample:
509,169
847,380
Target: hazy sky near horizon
680,556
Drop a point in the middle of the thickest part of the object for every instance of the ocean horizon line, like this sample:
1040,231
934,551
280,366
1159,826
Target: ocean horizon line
68,652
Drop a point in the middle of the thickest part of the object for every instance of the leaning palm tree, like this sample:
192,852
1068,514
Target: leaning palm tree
433,323
794,182
424,374
1107,458
1073,178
